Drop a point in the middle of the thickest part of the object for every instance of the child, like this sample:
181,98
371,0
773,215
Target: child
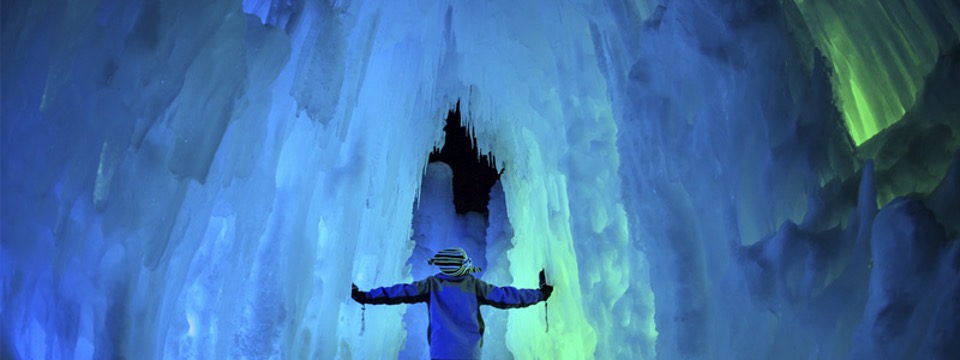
453,300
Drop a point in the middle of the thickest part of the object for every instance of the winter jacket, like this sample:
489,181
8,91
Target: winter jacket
456,326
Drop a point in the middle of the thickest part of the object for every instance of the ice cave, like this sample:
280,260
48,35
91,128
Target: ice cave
699,179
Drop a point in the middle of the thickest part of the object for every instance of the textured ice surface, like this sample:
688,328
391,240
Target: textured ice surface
184,180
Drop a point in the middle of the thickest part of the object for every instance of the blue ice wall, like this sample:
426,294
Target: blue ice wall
149,214
184,180
755,211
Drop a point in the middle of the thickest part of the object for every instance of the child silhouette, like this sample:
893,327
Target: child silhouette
453,298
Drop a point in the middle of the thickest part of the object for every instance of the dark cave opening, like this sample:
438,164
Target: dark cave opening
473,173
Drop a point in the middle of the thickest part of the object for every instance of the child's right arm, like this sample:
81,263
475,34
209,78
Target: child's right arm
412,293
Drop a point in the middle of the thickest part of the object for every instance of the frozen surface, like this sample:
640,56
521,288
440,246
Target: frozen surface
184,180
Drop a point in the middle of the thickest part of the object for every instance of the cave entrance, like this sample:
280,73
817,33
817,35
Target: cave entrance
452,209
473,173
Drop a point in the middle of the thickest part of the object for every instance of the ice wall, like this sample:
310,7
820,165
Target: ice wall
733,137
729,138
881,52
205,181
130,232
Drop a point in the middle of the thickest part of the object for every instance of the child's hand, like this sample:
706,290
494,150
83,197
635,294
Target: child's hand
544,288
356,294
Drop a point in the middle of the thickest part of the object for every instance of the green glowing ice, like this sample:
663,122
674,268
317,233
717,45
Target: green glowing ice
881,52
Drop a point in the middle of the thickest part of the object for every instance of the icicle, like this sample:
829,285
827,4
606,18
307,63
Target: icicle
546,314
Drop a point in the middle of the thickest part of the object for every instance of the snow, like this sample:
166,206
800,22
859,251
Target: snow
206,181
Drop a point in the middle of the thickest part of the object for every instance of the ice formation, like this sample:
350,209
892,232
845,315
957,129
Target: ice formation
700,179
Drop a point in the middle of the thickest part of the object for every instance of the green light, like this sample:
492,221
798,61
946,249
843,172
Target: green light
881,51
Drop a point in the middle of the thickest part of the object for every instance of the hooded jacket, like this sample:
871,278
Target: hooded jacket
456,326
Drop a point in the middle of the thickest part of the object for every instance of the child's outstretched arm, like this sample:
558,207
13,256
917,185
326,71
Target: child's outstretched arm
412,293
506,297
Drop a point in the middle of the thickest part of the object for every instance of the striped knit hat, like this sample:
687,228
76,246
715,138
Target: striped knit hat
453,262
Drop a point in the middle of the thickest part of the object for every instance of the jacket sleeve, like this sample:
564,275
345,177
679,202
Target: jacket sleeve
412,293
505,297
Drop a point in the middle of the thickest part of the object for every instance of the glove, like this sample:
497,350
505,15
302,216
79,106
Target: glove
544,288
357,295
